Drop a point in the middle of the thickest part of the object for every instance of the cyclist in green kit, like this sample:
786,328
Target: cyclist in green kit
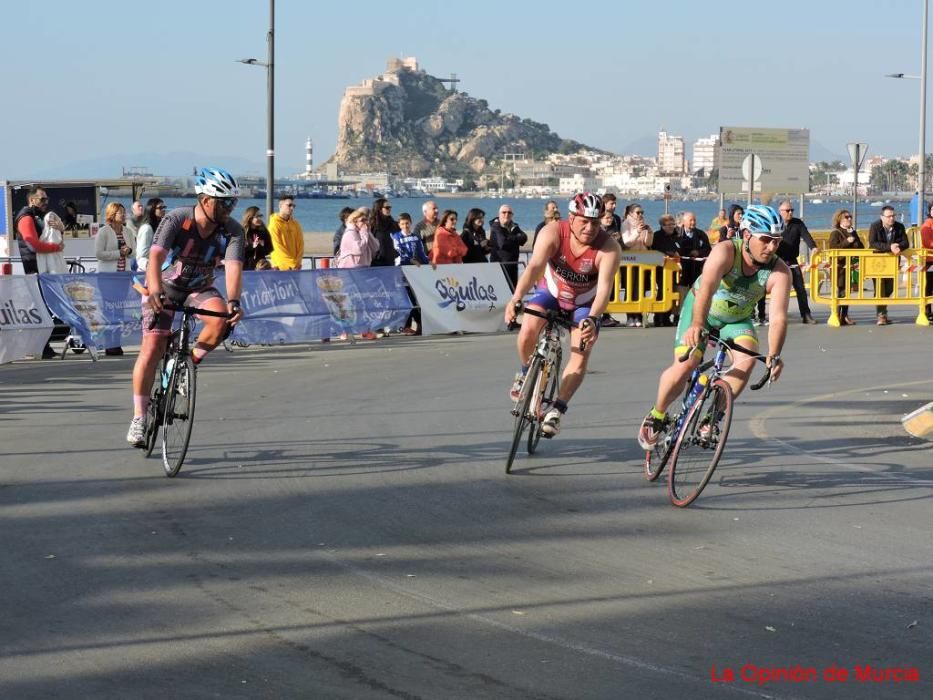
738,273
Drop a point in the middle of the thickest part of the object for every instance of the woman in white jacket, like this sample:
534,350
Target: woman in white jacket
114,248
115,242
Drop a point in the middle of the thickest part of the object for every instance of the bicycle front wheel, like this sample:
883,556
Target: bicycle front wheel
522,409
700,444
178,418
546,392
154,414
657,457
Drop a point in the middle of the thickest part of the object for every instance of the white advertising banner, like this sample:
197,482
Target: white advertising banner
782,160
25,322
452,298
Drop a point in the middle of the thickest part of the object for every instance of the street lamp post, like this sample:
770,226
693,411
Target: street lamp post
269,65
921,168
857,152
923,113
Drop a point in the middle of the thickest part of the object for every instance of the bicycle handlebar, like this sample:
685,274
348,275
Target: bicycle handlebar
732,346
192,310
555,317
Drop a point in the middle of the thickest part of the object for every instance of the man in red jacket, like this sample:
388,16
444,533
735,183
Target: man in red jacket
28,224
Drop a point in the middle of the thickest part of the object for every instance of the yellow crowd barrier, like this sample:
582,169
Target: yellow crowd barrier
821,238
857,277
646,283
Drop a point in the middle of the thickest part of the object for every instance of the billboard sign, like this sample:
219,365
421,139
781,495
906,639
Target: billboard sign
784,155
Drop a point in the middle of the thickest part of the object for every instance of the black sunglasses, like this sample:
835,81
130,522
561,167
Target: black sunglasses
228,203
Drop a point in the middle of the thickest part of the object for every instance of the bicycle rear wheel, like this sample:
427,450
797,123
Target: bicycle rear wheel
546,394
178,418
522,409
700,443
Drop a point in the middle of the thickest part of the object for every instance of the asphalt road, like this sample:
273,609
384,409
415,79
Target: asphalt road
344,528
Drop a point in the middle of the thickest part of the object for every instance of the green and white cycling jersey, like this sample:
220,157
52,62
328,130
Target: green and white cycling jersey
737,295
733,304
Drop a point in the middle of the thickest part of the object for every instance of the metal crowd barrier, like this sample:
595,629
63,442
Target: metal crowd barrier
856,277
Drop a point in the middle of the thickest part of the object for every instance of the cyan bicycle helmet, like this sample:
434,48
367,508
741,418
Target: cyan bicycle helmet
760,220
587,204
216,182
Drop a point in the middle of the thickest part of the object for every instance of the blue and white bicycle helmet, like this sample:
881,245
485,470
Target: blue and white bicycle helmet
587,204
761,220
216,182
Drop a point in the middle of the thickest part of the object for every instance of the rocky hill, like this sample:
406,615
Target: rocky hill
406,121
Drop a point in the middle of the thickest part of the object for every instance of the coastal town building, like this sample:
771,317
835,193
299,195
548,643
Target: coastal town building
705,155
671,154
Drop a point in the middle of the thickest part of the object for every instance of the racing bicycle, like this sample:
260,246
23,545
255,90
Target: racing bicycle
539,388
172,398
693,441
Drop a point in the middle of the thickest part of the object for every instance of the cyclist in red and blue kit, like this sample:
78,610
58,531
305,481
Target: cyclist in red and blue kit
574,265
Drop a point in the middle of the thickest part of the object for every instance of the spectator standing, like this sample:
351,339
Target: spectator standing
844,237
730,230
338,234
425,227
665,242
155,210
551,213
410,252
610,224
409,246
288,240
382,226
474,236
357,248
926,241
505,241
137,216
29,224
358,245
611,203
257,239
114,248
717,223
449,248
115,242
794,231
636,236
695,246
887,235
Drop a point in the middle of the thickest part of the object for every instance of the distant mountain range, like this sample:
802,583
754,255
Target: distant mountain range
176,163
648,146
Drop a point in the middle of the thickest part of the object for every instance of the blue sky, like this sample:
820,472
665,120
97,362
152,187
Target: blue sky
102,78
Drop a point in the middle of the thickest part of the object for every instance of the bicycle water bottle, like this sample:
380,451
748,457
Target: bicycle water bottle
167,373
701,381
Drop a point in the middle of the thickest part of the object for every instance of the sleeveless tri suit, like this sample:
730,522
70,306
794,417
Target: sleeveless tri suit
733,304
569,281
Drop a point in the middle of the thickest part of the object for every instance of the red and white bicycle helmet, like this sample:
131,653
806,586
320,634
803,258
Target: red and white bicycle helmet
587,204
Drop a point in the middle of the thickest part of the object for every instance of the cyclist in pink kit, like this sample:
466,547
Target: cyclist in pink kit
576,264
